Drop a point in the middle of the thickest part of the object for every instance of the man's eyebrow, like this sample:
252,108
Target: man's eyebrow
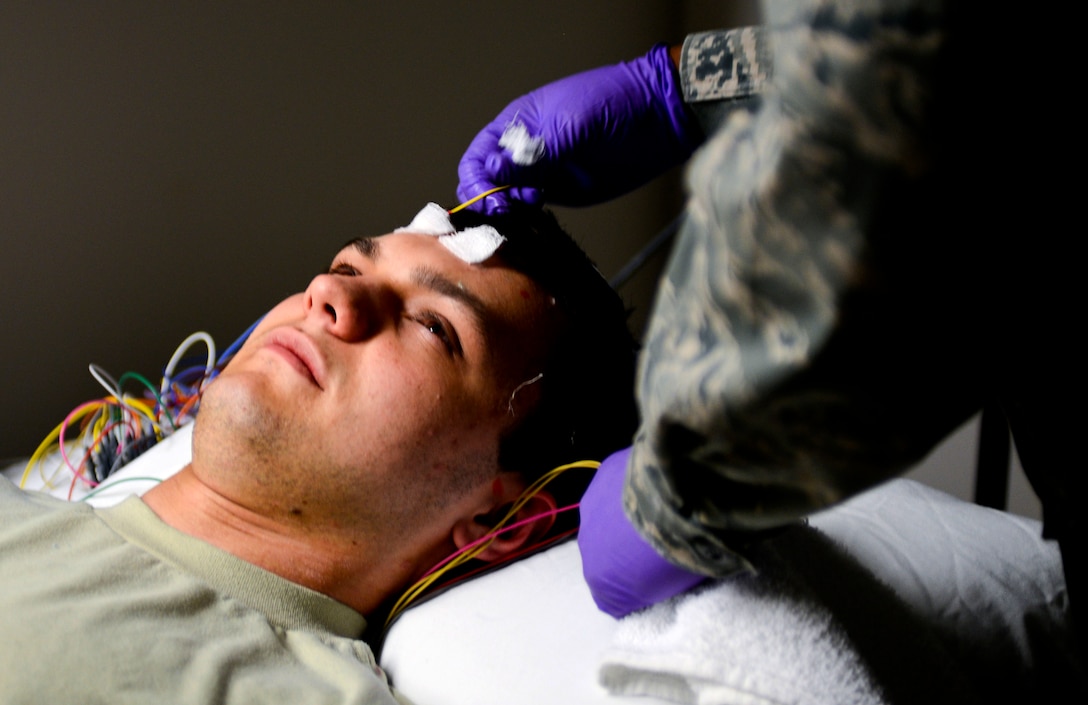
366,246
428,278
482,316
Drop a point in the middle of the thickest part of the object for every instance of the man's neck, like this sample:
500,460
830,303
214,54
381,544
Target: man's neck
344,568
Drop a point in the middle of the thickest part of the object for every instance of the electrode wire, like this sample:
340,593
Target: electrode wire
462,556
474,199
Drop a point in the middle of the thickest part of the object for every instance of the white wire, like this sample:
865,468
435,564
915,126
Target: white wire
106,380
168,374
110,384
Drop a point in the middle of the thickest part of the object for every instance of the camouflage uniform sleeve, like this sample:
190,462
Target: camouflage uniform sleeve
723,71
756,401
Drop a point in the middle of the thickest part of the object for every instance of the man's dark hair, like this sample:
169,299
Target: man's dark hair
587,406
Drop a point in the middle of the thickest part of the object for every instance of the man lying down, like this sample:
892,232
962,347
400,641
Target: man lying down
370,426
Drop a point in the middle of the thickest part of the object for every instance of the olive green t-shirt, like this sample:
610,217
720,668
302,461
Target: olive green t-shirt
114,606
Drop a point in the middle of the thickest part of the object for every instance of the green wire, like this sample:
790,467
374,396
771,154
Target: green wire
100,488
144,381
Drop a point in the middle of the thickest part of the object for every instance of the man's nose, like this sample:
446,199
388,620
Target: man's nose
345,307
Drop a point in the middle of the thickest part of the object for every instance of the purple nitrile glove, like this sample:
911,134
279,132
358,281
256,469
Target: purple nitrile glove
583,139
623,571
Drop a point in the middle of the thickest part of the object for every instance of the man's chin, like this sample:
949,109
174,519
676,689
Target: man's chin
235,428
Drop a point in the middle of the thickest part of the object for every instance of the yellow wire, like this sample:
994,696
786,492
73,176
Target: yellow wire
40,452
472,200
427,581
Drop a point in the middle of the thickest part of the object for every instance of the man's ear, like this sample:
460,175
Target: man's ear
506,489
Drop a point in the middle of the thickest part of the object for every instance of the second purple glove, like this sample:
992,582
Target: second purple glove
623,571
583,139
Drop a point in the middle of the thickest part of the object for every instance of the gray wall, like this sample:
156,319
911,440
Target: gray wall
167,167
950,467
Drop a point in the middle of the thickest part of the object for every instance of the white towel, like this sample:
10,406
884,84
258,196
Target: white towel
934,599
812,627
753,639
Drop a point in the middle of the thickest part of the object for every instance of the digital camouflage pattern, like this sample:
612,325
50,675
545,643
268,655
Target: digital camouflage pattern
725,65
825,318
723,71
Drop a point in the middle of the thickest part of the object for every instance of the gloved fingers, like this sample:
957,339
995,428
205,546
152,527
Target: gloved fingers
501,201
488,205
473,172
624,573
602,501
527,194
635,577
478,176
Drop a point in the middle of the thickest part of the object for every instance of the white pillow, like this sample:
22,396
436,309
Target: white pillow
992,589
528,633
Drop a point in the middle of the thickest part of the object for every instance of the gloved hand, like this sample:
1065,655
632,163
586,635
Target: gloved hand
623,571
583,139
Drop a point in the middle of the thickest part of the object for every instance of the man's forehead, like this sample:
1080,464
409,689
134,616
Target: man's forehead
422,250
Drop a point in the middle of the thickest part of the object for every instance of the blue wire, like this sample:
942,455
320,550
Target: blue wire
233,347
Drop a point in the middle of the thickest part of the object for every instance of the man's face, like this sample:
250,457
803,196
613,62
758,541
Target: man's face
378,396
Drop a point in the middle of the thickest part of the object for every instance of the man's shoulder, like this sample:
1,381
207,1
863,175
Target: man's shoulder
18,505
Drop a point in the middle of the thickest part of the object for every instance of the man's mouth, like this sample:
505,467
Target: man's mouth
300,352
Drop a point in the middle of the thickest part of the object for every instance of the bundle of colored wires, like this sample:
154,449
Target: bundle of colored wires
100,436
431,580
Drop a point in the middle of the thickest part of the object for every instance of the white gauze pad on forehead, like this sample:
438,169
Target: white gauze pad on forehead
472,245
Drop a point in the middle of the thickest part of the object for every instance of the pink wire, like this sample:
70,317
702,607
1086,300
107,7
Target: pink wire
64,427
